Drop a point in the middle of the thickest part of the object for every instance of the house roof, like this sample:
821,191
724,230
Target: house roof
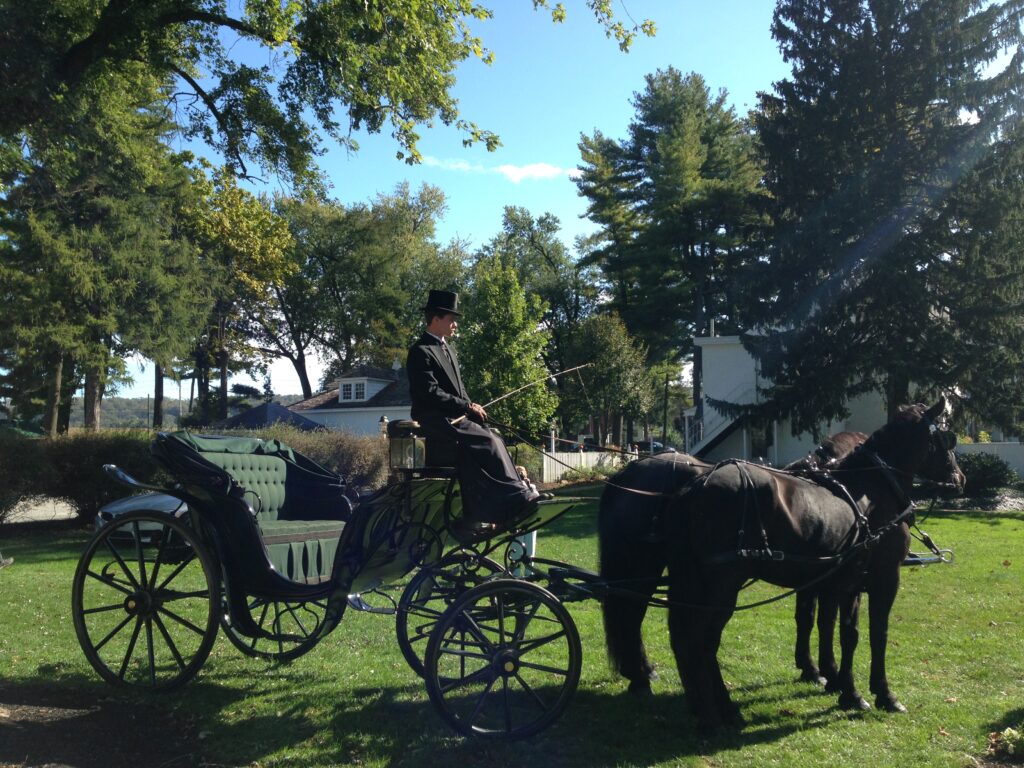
394,394
266,414
369,372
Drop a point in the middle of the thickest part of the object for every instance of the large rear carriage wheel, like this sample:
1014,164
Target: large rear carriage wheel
427,597
145,601
503,661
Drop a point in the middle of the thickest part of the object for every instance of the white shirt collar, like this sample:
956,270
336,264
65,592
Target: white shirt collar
439,338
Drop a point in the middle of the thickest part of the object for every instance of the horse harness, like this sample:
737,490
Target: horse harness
863,538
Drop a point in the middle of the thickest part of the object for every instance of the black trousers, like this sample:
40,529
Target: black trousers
492,490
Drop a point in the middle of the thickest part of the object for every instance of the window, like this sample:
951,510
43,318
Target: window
360,390
346,391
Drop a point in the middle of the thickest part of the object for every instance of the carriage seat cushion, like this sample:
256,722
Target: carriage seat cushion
300,507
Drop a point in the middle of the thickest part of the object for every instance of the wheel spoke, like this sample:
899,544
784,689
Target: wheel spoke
103,609
533,694
522,626
151,651
120,561
139,557
508,704
183,621
537,642
170,642
112,632
480,703
131,647
543,668
174,574
109,581
478,676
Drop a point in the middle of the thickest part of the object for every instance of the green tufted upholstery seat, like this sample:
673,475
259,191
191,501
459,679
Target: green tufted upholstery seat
299,506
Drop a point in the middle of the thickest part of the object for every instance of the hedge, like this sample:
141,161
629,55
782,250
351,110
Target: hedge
69,468
986,473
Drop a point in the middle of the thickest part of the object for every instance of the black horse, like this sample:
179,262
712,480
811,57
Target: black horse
633,554
739,522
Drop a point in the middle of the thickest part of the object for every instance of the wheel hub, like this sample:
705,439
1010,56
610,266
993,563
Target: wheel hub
506,663
139,604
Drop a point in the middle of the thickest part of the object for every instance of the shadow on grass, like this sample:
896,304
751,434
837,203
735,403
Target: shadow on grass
72,719
78,722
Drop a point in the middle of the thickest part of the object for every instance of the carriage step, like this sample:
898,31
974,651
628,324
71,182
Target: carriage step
357,602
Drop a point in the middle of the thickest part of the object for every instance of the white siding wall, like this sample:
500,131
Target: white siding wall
358,421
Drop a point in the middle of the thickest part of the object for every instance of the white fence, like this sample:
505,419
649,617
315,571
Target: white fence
1011,453
558,463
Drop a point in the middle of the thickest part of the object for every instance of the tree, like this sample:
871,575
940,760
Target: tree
869,159
245,247
341,66
617,382
544,268
372,265
93,262
500,345
681,203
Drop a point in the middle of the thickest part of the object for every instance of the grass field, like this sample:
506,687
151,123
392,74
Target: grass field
956,660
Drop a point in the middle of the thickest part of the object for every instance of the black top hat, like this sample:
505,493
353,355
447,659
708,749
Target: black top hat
443,301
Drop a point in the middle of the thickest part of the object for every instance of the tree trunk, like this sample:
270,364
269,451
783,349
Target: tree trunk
50,418
299,363
222,406
67,396
93,398
158,396
897,393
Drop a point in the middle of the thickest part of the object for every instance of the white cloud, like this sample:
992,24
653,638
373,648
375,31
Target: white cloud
514,173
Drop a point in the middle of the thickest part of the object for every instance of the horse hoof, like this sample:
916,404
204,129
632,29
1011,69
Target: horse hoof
813,676
854,702
641,687
889,704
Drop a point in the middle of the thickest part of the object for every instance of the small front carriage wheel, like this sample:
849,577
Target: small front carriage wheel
428,595
145,602
503,661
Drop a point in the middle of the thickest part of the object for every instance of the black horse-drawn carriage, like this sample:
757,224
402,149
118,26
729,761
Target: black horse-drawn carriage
273,549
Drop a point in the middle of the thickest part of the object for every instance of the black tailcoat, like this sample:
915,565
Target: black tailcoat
491,488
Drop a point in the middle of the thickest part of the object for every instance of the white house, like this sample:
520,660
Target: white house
365,400
731,374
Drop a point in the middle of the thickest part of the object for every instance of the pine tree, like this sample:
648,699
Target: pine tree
680,202
870,148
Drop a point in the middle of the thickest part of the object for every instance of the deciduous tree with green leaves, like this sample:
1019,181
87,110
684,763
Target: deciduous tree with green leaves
334,67
500,348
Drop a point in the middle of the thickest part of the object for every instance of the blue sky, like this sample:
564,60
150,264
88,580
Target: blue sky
548,84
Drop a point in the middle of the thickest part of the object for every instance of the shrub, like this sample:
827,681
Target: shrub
23,467
76,461
985,472
70,468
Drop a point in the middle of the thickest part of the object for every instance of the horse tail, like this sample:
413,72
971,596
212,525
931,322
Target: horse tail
633,557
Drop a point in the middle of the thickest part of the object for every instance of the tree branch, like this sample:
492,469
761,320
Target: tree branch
217,114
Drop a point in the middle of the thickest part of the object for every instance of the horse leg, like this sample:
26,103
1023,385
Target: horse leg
623,632
624,615
687,631
849,634
828,612
806,603
727,708
880,600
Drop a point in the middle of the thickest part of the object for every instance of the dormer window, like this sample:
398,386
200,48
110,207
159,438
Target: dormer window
360,390
346,391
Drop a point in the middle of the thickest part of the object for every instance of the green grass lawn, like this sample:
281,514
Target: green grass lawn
956,660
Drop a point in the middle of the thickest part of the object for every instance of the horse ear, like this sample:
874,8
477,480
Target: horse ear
937,410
